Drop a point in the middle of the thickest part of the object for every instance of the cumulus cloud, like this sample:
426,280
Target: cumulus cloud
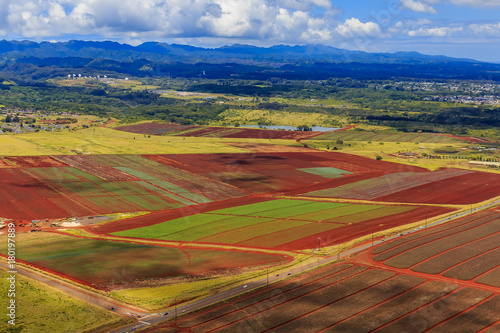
433,32
418,6
485,29
291,21
353,27
476,3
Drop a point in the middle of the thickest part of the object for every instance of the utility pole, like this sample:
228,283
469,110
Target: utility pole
319,246
175,304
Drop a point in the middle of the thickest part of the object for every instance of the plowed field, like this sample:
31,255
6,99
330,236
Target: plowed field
281,224
462,187
350,298
466,250
101,263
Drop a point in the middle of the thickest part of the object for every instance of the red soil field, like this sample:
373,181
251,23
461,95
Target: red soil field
431,235
356,230
5,164
462,190
437,312
225,132
86,164
162,216
463,250
24,197
434,230
267,172
467,321
35,161
153,128
347,298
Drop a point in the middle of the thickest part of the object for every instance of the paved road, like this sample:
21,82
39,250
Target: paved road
146,319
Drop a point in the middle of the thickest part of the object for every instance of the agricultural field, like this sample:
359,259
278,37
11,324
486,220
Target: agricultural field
42,308
105,264
350,298
282,224
396,137
465,250
39,187
285,171
275,117
463,187
102,140
215,132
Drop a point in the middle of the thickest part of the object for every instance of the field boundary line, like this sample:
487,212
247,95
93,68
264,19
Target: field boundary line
444,236
366,269
336,301
475,257
179,244
463,312
60,193
378,304
268,298
418,309
457,247
358,201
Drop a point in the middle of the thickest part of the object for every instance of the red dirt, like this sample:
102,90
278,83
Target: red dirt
35,161
462,190
162,216
153,128
94,168
24,197
5,164
353,231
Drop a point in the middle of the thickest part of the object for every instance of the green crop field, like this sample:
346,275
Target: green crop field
326,172
100,262
254,209
40,308
213,228
264,224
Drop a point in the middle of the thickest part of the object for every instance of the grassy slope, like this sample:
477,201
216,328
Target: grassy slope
100,140
43,309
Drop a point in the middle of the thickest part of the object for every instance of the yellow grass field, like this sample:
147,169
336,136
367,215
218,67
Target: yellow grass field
277,118
101,140
374,149
40,308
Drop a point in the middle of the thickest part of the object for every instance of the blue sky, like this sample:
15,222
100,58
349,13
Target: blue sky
458,28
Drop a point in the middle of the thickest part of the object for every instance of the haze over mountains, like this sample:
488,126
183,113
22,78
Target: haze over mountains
239,61
156,51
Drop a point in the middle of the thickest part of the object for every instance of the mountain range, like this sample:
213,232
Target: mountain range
155,51
28,60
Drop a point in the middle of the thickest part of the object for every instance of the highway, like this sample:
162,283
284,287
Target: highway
146,319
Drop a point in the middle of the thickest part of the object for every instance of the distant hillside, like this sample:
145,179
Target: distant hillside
237,53
30,60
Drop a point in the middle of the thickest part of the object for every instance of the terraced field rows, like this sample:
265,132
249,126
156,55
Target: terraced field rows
267,224
465,250
379,137
346,298
388,184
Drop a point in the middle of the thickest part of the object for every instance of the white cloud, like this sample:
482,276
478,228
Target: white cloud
353,27
485,29
289,21
418,6
434,32
476,3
